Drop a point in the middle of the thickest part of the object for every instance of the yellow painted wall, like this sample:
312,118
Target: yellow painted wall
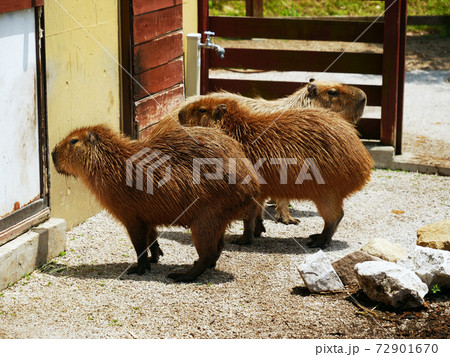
189,18
190,23
82,87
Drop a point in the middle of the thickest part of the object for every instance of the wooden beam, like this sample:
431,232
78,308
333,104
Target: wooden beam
314,61
296,29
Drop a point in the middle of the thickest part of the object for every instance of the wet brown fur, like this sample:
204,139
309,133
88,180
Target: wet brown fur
322,135
98,155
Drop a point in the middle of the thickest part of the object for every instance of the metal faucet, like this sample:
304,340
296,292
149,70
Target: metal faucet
208,44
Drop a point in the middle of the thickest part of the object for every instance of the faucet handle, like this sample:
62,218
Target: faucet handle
209,33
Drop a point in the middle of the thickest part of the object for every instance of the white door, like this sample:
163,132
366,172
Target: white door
20,168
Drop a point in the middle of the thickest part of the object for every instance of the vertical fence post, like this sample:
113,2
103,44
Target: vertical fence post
254,8
390,72
401,76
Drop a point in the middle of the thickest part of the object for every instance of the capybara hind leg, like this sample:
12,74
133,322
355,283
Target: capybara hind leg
138,234
283,214
153,244
259,227
208,241
323,239
250,222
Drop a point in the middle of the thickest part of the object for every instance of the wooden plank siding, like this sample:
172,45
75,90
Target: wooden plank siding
16,5
157,60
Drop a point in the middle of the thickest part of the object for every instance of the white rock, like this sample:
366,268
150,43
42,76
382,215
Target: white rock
385,250
391,284
319,275
430,265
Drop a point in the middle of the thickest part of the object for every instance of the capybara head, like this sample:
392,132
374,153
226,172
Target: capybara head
202,112
80,151
346,100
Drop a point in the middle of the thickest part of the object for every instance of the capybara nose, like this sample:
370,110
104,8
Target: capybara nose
54,156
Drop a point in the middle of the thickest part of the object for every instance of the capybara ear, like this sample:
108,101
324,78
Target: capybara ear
219,112
312,90
92,137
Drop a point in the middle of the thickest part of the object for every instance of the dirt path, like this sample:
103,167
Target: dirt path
254,292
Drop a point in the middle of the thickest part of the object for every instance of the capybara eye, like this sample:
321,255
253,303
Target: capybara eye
202,110
333,92
73,141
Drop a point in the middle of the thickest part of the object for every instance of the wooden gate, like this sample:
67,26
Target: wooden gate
389,31
152,56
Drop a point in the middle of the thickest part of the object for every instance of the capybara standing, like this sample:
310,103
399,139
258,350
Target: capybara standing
344,99
120,172
286,147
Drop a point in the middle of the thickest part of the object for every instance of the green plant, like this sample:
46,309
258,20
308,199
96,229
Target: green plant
435,289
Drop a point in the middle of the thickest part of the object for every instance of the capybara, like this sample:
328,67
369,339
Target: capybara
293,141
344,99
120,172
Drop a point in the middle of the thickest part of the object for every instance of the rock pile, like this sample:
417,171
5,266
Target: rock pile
385,271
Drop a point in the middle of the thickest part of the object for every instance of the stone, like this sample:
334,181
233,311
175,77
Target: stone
435,235
432,266
318,274
391,284
385,250
345,267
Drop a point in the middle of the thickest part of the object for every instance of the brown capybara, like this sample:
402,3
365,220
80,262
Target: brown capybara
344,99
341,98
120,172
286,146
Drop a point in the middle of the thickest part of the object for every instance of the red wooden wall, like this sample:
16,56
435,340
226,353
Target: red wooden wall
156,60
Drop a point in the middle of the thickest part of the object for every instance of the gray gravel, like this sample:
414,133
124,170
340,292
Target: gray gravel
254,292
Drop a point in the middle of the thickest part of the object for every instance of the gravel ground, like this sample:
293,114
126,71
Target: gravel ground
254,292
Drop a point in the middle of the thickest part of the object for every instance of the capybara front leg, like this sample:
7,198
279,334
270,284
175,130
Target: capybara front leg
323,239
153,244
138,235
283,214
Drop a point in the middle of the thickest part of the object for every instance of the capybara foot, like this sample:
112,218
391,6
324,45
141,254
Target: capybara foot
156,252
139,268
286,219
259,228
318,241
283,214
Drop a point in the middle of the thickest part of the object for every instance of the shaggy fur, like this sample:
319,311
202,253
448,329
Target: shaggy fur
333,144
98,156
